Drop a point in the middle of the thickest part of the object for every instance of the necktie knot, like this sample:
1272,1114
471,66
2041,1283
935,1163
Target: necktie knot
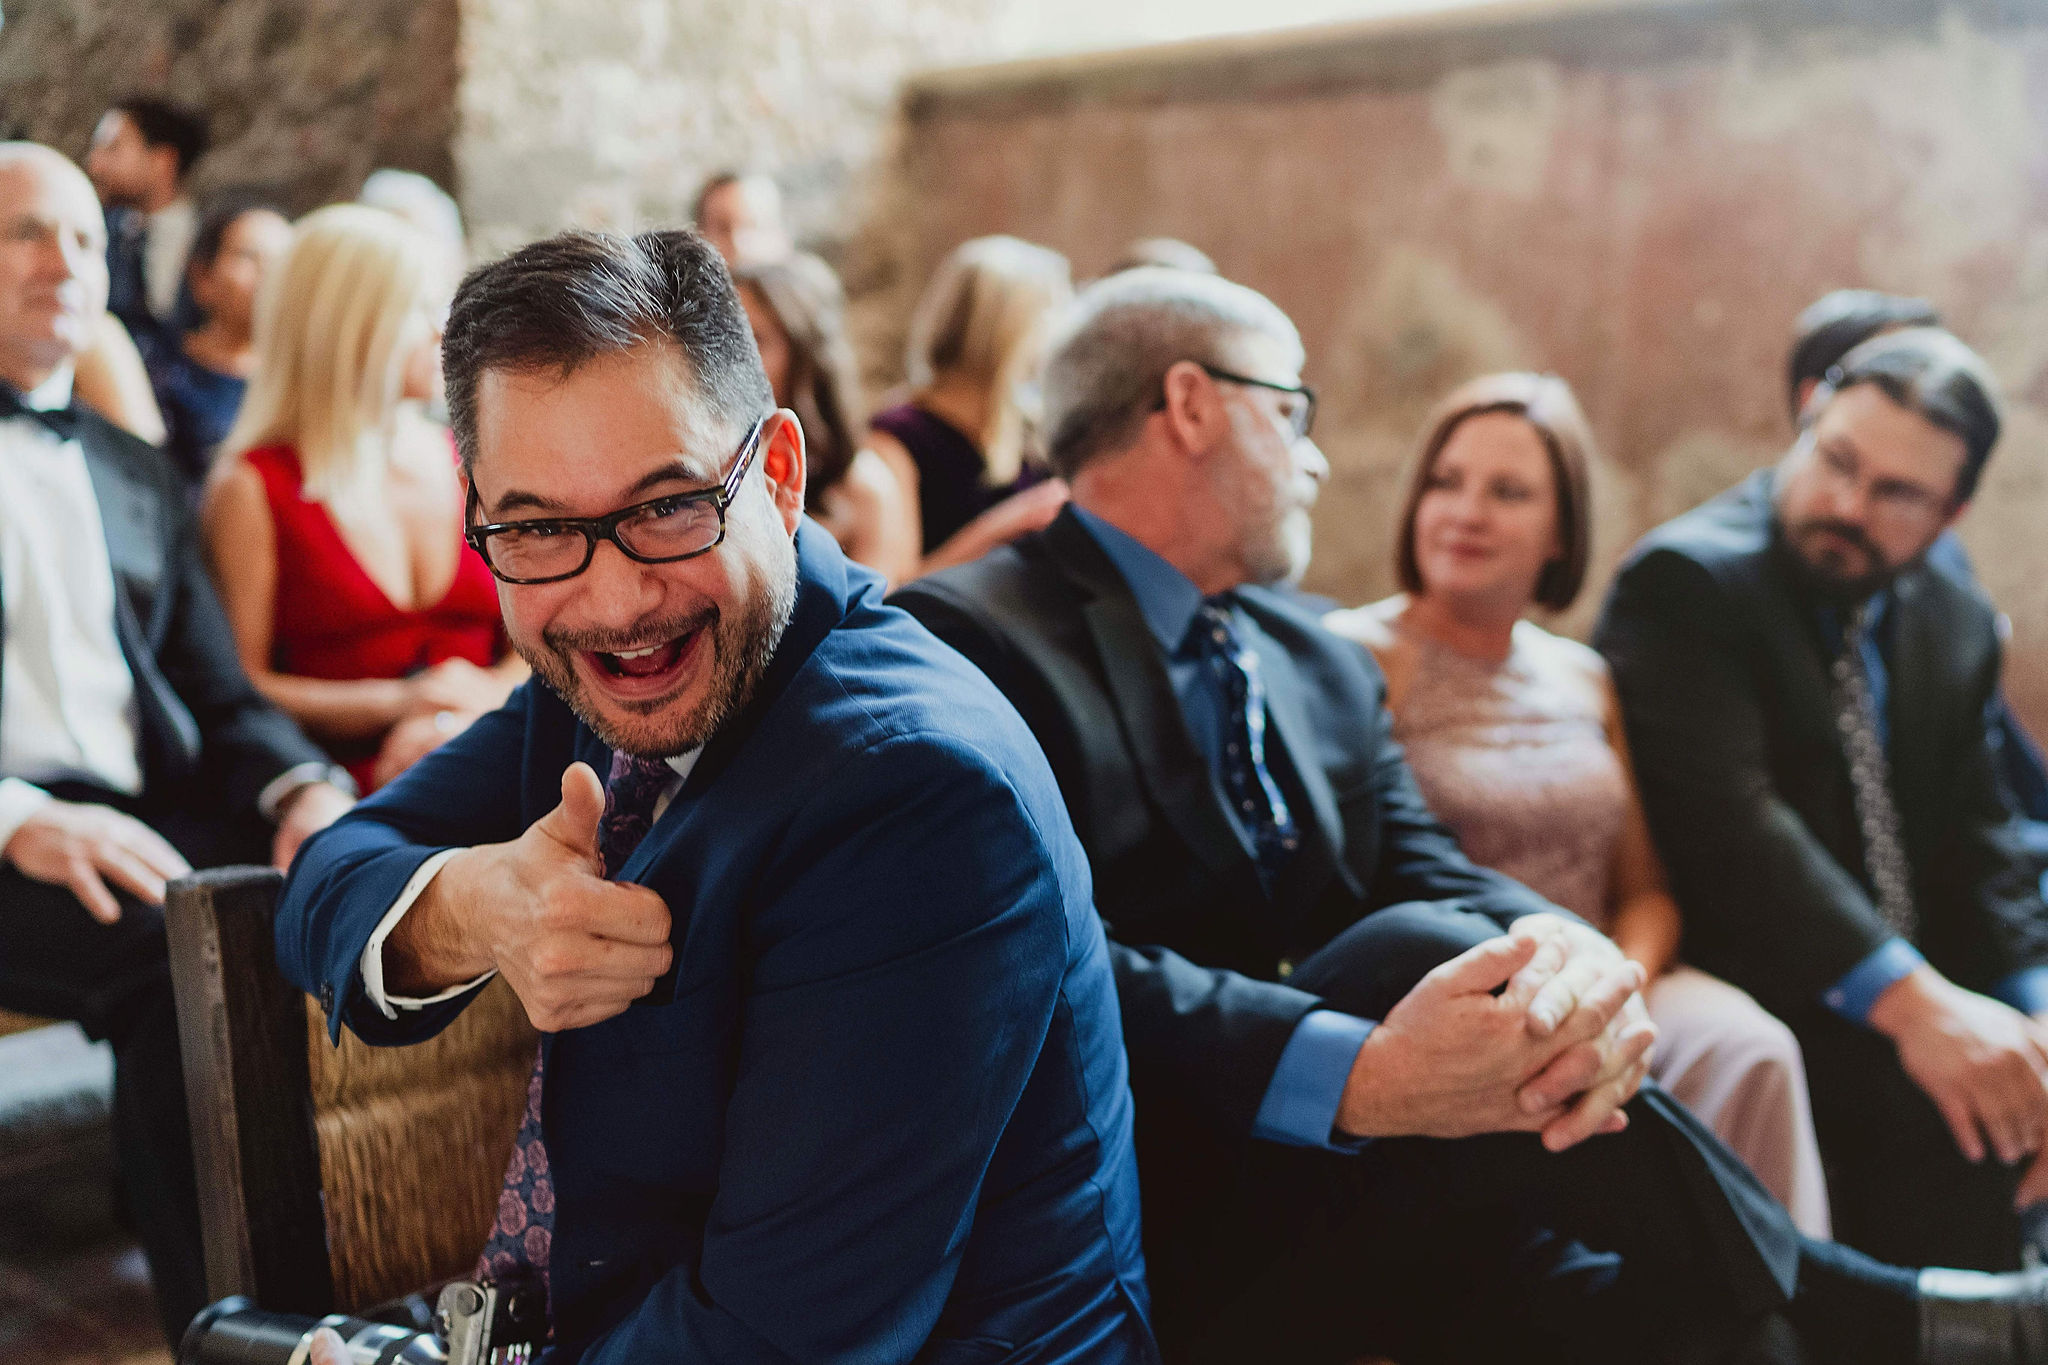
631,793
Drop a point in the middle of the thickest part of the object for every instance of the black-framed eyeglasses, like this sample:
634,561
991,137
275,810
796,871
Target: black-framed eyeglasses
661,530
1300,414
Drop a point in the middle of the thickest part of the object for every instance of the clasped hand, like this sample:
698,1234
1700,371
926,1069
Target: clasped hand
575,948
1542,1030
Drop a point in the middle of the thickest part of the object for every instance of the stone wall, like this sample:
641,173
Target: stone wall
1640,199
307,96
613,114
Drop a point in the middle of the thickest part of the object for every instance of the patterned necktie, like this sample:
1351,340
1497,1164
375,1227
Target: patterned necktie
1870,780
1254,795
524,1232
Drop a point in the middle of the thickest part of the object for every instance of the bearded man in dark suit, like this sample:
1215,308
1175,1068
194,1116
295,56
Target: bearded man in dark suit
1806,699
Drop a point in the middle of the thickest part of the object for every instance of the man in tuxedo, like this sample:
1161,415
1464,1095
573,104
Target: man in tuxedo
131,742
1806,699
1317,986
141,158
831,1065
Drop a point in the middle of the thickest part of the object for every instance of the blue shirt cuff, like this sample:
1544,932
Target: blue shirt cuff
1857,991
1301,1102
2026,990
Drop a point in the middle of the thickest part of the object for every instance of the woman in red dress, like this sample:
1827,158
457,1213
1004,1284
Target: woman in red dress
333,519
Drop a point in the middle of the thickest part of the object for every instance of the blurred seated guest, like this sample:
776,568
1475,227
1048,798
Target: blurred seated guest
798,314
740,213
1830,328
112,379
334,523
141,160
1516,741
424,204
1169,252
1311,972
957,444
200,379
1805,698
131,743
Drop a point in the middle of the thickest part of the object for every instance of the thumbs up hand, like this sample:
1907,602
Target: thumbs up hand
575,948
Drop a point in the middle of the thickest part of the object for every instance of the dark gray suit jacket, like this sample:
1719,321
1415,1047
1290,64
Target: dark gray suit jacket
1717,655
1200,946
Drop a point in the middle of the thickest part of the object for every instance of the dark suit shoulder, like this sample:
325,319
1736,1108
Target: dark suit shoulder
124,450
1721,533
881,675
1015,581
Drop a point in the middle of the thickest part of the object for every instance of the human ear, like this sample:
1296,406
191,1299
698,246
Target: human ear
784,467
1192,411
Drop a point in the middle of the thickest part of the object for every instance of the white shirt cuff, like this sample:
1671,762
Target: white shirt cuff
291,779
372,965
18,801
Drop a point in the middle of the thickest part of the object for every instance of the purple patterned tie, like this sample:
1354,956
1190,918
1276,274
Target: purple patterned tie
524,1232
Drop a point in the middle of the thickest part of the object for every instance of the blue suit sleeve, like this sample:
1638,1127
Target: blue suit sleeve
2026,990
909,946
464,793
1858,988
1300,1107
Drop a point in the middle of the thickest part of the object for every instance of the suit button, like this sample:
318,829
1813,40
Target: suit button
1286,968
327,997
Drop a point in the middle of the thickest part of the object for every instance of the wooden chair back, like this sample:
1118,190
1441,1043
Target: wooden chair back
331,1179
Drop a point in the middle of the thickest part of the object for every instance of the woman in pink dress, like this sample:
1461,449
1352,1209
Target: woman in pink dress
1516,741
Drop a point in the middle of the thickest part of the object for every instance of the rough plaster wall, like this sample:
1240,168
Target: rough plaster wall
1646,228
307,96
613,114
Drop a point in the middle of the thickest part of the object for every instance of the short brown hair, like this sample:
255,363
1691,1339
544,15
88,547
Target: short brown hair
1546,403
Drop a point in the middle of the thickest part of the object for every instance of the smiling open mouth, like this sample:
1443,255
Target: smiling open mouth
641,663
645,670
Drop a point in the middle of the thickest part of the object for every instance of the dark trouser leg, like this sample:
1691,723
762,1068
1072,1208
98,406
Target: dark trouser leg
56,960
1898,1187
1652,1244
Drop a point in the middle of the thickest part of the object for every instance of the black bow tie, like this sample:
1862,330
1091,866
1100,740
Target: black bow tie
63,421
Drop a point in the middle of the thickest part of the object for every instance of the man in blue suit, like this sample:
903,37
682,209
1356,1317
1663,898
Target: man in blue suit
831,1065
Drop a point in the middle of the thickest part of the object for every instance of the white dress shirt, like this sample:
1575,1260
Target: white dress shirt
67,699
166,245
372,962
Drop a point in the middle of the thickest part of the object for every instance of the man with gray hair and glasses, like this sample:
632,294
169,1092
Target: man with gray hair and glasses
1805,697
1315,982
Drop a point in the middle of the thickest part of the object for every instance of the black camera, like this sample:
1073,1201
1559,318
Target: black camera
474,1322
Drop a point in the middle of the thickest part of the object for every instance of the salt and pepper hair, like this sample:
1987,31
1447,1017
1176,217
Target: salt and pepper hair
982,319
1929,373
335,324
1547,404
1107,365
557,304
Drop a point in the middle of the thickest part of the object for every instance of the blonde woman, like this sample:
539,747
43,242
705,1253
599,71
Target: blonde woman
334,517
957,445
1515,738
